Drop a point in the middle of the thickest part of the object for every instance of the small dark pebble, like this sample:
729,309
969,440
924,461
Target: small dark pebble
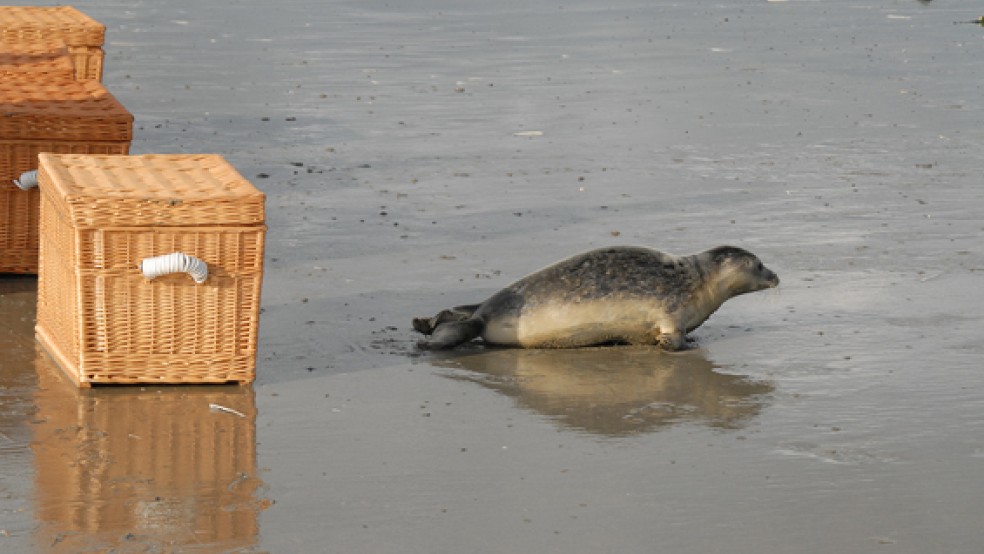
262,175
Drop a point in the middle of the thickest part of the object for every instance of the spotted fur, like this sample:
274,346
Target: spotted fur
618,294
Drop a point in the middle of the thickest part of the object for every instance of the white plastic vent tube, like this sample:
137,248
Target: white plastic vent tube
175,263
28,180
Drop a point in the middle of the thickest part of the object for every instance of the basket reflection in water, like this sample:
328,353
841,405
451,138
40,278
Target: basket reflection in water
615,391
144,467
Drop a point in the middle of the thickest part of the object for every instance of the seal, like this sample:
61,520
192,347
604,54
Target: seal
628,295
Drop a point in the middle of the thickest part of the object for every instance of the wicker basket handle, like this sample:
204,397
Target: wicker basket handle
28,180
175,263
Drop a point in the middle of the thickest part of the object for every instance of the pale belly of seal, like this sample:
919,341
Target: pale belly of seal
570,324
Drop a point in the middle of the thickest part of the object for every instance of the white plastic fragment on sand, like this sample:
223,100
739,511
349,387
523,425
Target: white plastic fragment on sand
221,408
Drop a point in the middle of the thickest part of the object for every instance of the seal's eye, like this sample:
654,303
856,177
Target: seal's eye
760,267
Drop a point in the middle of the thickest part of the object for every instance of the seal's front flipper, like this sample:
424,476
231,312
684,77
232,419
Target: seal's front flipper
452,333
672,341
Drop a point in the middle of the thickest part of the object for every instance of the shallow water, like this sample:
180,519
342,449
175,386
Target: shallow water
418,156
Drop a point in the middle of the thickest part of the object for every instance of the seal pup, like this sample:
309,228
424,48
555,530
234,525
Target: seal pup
622,294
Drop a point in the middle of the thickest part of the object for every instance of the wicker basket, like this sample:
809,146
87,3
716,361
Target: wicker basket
39,61
124,469
83,35
102,219
63,116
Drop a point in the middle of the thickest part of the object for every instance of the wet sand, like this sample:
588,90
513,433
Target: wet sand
421,156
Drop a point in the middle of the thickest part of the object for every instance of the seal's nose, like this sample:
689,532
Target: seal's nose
769,277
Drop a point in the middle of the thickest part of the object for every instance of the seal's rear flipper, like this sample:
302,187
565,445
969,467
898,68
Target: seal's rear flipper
424,325
452,333
469,310
427,325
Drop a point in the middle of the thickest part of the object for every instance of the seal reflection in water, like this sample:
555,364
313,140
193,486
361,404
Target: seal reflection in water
614,392
611,295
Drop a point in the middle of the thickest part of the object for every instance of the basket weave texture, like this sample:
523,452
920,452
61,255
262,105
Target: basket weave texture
83,35
35,60
97,314
56,115
61,110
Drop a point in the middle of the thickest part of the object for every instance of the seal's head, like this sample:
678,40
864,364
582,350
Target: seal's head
738,271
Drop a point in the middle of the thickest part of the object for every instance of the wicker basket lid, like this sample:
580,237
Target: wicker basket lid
36,58
61,109
150,190
18,23
37,46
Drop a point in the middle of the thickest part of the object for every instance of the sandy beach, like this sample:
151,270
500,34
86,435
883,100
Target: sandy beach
421,155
